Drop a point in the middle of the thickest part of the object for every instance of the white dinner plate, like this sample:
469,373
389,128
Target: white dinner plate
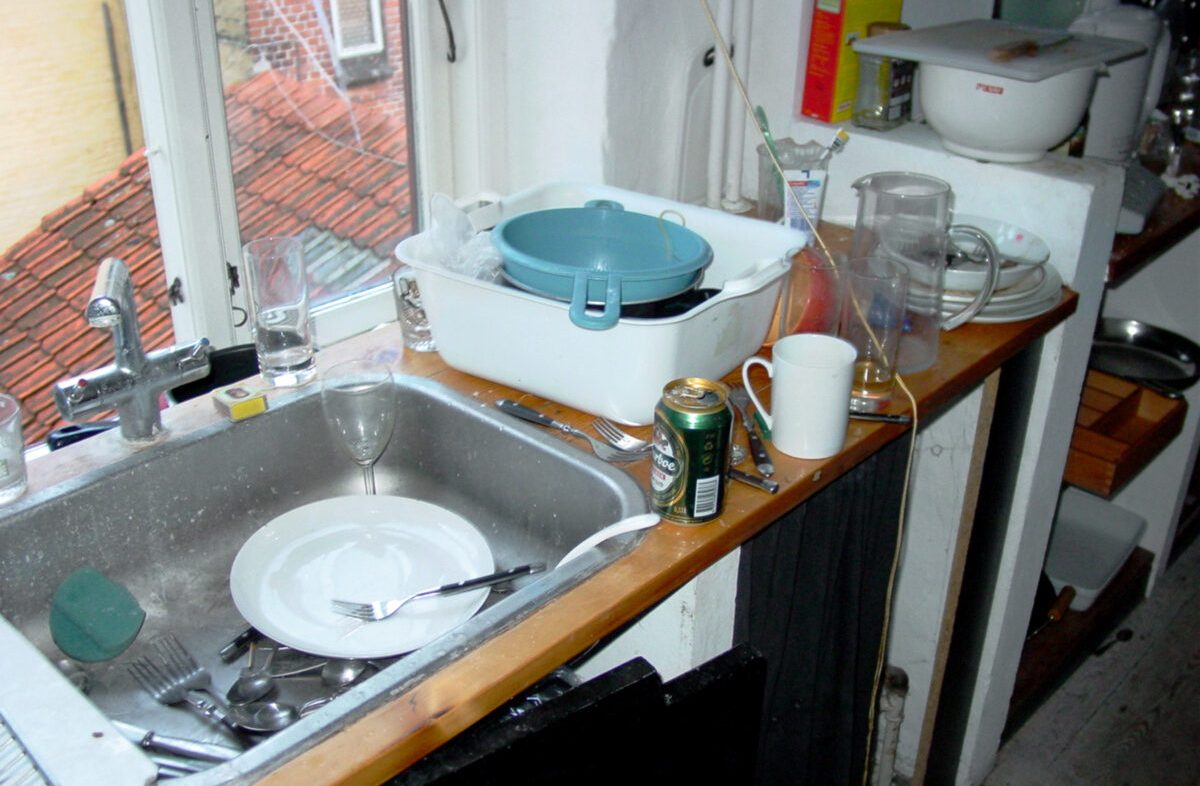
358,548
1018,291
1039,301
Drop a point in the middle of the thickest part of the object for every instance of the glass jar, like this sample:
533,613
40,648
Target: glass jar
884,97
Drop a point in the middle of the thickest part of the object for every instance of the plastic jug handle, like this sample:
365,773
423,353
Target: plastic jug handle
992,261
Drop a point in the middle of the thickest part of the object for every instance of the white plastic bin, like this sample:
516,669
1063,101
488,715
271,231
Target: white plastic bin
1090,542
529,342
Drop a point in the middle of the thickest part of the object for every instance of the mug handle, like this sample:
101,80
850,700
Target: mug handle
991,258
758,361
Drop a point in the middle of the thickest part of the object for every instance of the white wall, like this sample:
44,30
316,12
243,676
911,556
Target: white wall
594,90
556,81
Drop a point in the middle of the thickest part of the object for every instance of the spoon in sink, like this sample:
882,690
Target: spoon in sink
630,524
343,672
252,683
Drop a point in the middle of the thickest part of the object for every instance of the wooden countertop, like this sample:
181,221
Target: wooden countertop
416,722
1174,219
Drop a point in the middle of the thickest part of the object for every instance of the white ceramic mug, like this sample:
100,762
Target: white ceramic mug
810,393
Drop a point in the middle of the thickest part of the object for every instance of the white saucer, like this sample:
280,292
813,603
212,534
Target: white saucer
358,548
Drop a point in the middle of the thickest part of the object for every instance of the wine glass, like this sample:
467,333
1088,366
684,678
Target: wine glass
360,406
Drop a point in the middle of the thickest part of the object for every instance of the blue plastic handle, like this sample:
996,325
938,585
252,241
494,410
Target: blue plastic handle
579,299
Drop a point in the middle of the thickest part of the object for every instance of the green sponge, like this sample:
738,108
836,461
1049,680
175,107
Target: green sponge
93,618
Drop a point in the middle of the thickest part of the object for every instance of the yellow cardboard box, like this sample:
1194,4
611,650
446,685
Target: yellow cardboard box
831,69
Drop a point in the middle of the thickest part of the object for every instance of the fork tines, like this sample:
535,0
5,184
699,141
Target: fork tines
619,439
166,670
173,656
606,429
150,677
362,611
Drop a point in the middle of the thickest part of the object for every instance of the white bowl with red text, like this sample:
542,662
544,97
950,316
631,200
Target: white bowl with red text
995,118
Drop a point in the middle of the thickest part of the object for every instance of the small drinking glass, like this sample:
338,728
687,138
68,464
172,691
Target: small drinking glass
359,401
12,450
411,313
873,321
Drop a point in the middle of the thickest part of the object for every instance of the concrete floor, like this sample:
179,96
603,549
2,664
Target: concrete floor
1129,716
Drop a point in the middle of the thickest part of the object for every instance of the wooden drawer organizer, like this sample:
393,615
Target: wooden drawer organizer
1119,428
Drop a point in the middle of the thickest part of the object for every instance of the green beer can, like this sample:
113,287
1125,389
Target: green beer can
692,429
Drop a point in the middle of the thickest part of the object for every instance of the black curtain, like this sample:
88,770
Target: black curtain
811,595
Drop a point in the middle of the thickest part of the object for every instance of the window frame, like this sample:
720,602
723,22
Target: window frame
183,115
375,8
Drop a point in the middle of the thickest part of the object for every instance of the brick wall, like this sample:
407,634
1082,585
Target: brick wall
295,44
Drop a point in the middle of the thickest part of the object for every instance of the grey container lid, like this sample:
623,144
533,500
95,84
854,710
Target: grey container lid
967,45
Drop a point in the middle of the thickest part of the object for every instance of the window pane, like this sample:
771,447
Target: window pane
77,190
320,146
354,23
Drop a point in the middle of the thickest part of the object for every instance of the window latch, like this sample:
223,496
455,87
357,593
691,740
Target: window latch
235,282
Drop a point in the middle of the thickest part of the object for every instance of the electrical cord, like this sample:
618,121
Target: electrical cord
881,655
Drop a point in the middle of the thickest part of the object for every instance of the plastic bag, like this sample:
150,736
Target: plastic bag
453,243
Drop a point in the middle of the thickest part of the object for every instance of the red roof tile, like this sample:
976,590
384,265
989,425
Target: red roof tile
297,167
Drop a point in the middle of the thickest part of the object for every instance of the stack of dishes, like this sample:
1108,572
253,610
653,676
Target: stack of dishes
1026,287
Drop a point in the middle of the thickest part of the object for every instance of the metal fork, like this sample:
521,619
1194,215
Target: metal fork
373,611
173,676
601,449
620,439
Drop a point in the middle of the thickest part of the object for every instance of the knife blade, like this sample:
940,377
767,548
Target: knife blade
762,459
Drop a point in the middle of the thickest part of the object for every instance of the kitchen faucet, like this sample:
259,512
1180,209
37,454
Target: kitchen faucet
133,383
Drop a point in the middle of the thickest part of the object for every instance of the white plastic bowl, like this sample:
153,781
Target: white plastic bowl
1021,252
995,118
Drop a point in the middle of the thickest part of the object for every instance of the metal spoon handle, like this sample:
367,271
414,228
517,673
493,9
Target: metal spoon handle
483,581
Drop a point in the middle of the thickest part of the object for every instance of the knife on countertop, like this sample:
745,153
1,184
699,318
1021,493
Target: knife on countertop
762,459
762,484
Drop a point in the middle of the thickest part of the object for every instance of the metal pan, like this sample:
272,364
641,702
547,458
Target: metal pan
1167,361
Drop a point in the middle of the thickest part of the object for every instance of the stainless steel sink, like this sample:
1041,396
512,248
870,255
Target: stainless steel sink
167,522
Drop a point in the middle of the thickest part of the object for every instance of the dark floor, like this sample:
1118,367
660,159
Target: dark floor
1129,716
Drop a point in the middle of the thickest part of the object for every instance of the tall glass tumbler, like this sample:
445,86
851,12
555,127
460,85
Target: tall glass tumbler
12,450
873,321
279,299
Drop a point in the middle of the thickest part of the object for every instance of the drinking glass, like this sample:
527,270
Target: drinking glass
12,447
279,298
811,301
413,323
873,321
359,401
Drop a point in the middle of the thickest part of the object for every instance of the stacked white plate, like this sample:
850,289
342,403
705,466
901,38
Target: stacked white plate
1032,295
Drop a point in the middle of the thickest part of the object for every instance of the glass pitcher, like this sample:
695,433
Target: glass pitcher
906,217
